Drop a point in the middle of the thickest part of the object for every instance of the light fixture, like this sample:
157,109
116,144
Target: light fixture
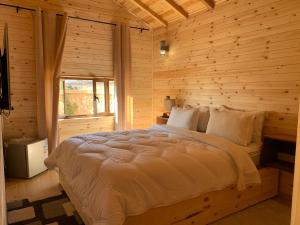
164,48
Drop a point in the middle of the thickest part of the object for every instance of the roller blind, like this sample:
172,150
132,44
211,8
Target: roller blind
88,50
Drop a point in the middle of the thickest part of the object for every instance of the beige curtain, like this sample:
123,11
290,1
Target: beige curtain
50,34
122,73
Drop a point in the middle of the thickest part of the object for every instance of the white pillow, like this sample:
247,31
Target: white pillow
258,123
233,125
183,118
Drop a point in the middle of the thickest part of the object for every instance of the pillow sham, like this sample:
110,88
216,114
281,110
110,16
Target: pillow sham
183,118
203,117
233,125
258,123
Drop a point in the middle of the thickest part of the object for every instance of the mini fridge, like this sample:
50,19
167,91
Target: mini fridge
25,158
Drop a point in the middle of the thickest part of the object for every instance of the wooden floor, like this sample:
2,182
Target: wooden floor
39,187
275,211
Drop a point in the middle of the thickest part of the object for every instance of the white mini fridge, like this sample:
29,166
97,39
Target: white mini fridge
25,158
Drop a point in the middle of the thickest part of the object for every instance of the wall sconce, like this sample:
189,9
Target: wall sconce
164,48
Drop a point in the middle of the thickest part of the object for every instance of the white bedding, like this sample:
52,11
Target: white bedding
121,174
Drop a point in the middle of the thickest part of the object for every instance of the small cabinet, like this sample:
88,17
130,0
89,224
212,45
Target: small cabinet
161,120
25,159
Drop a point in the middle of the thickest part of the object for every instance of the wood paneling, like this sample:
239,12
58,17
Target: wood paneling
2,181
88,51
104,10
295,217
76,126
22,120
142,78
244,54
163,12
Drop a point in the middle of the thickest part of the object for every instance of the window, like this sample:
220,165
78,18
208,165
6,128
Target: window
82,97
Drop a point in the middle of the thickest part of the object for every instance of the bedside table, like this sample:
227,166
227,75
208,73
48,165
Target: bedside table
279,152
161,120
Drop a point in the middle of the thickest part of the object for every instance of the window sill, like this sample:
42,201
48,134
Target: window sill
86,117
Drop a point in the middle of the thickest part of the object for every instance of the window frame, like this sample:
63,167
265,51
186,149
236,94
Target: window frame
107,97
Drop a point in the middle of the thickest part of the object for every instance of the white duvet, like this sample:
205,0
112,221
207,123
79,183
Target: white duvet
121,174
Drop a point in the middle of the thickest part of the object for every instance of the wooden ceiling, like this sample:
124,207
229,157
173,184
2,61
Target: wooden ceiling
159,13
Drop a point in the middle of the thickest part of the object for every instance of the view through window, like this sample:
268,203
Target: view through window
82,97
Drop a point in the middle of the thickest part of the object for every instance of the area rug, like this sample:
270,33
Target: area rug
57,210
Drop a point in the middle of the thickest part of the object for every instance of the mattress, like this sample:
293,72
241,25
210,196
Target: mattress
254,151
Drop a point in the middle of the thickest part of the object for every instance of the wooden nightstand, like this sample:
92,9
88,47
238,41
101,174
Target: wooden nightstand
161,120
279,152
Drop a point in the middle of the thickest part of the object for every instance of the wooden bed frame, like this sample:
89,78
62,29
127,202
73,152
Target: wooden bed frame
202,210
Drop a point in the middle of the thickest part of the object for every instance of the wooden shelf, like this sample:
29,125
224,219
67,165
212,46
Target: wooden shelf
281,137
281,165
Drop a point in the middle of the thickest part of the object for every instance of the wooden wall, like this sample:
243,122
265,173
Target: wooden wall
244,54
295,216
104,10
76,126
88,51
2,181
22,120
142,78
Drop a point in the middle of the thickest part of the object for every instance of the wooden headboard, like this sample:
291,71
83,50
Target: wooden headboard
282,125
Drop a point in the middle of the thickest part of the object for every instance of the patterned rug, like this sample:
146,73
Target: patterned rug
57,210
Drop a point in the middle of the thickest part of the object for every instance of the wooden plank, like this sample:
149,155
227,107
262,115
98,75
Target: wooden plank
178,8
247,59
88,50
142,79
2,181
295,217
286,184
150,12
104,10
288,138
209,3
76,126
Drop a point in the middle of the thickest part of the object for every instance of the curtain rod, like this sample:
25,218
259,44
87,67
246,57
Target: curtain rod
73,17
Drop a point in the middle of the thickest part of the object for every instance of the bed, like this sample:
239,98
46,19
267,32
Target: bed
162,175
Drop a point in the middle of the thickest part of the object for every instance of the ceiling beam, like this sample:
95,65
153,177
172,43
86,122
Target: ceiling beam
158,18
178,8
209,3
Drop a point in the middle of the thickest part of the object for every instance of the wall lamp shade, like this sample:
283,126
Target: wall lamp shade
164,48
169,103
